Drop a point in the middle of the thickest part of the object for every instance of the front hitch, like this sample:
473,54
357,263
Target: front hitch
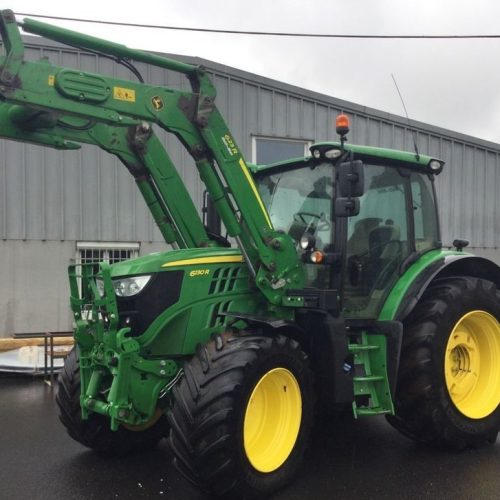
116,381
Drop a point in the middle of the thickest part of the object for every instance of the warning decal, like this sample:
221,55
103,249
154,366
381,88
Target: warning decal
122,94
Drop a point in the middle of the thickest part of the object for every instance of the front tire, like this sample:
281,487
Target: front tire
95,432
448,391
242,414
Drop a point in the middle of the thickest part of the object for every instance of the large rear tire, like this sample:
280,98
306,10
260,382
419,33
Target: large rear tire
448,391
242,414
95,432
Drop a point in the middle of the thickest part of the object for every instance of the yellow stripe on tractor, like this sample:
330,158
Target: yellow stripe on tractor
222,259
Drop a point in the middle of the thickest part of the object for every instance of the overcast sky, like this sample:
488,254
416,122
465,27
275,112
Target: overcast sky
450,83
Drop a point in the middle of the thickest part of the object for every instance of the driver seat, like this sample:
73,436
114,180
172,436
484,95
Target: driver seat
385,254
379,241
358,243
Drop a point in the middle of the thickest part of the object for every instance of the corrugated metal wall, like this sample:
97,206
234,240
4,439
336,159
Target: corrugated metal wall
77,195
87,195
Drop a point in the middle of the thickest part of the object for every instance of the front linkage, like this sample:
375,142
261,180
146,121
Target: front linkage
113,372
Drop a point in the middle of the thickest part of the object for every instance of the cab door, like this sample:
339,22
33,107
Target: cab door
378,241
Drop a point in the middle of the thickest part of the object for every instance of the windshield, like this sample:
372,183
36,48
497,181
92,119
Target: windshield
299,201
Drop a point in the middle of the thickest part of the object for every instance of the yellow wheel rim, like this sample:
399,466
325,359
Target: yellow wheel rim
272,420
472,364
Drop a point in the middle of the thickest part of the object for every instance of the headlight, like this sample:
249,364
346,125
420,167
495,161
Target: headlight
306,242
126,287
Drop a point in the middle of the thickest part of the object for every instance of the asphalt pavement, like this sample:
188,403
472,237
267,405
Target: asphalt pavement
347,459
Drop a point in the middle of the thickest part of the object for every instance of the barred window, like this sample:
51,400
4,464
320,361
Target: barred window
88,252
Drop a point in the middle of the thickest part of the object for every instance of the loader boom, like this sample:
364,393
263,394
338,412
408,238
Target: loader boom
60,107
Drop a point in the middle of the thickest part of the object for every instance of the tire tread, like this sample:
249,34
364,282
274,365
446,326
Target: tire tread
203,411
420,413
95,433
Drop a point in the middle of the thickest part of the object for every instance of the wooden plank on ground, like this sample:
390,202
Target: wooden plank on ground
8,344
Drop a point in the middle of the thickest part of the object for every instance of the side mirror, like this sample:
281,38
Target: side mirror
351,178
346,207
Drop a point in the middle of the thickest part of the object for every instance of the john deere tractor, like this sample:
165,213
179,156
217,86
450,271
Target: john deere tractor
336,293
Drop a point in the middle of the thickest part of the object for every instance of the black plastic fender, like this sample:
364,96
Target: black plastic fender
323,337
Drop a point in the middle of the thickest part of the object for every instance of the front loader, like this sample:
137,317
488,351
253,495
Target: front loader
337,294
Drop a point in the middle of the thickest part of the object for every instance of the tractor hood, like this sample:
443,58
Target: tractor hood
175,259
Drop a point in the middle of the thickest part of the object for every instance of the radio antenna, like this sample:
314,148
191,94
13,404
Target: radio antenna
413,133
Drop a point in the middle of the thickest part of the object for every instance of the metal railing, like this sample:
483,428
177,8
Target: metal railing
49,352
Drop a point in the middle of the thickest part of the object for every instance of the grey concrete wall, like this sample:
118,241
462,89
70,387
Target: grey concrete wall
34,288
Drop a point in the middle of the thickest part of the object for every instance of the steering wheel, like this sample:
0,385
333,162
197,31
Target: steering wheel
323,224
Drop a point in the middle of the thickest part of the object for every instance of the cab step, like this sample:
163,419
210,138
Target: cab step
372,395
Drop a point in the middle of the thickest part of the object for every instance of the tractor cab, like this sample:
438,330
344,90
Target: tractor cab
359,217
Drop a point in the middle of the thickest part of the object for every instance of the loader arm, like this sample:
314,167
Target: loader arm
154,173
60,107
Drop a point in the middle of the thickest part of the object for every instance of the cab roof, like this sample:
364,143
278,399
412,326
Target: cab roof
364,152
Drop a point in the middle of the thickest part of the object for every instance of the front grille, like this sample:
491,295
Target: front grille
139,311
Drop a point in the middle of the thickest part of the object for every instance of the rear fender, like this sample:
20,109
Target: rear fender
449,265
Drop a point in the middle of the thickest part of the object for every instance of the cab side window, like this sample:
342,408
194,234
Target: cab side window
424,214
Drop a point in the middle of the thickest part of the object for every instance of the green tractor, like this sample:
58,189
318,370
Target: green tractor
337,295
